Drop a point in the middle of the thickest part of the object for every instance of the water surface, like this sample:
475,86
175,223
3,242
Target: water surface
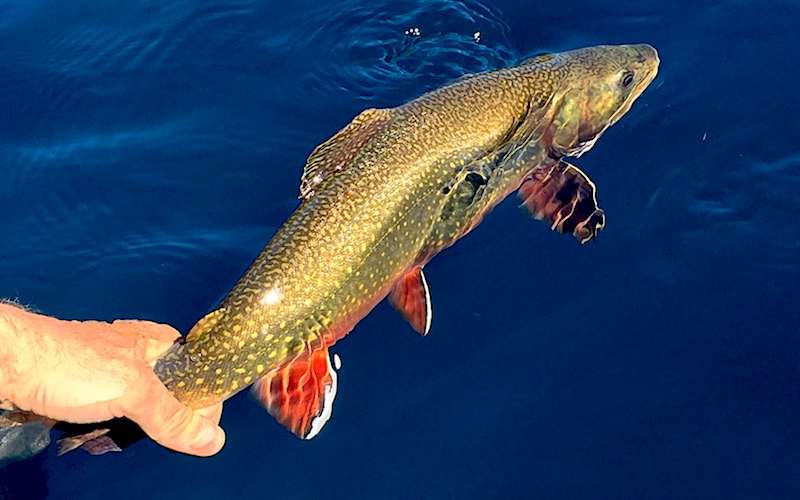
149,150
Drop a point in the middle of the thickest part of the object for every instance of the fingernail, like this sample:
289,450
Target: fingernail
209,434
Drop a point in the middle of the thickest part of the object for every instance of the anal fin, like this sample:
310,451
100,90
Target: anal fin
412,299
300,394
563,196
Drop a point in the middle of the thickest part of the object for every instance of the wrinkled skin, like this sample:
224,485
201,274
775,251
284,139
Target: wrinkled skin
92,371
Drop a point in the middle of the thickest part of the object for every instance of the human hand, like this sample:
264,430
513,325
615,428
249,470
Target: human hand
91,371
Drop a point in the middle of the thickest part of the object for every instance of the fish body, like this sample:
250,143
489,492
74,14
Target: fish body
381,198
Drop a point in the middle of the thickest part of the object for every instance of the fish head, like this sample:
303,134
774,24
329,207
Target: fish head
599,86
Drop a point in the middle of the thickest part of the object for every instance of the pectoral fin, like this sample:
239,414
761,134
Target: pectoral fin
412,299
565,198
300,394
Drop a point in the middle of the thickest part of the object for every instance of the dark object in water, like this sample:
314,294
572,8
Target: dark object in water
21,436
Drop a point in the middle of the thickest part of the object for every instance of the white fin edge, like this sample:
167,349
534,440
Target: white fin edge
428,306
327,405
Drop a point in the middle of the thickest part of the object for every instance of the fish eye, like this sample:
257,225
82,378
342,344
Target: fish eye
627,79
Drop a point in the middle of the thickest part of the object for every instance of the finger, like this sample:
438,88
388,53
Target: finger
171,424
153,338
213,413
149,329
153,349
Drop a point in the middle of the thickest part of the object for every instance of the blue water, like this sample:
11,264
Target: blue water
149,150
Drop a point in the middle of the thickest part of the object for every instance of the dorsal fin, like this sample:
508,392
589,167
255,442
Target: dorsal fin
337,152
300,394
205,324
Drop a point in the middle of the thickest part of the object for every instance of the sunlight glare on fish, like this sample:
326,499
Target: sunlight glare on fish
272,297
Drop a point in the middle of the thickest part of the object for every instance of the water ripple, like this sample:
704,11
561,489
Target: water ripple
375,52
745,210
162,36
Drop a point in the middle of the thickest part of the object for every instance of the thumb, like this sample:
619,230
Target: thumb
171,424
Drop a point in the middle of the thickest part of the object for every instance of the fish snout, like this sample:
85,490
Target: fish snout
647,56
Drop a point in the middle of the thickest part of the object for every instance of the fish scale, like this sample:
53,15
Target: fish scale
387,193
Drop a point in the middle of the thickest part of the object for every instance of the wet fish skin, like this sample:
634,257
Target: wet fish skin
387,193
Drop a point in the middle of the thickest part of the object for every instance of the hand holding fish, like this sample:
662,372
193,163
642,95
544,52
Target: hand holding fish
91,371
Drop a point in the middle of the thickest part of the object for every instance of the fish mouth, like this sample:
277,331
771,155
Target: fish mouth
650,63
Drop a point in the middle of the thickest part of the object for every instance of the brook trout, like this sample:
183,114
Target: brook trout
383,196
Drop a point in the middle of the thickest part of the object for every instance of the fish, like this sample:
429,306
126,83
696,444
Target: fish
381,198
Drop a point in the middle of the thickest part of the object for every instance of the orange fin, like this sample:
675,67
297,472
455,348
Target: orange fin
564,197
300,394
412,299
338,152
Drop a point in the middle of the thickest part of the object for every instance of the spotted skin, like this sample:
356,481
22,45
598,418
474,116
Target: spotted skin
389,192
